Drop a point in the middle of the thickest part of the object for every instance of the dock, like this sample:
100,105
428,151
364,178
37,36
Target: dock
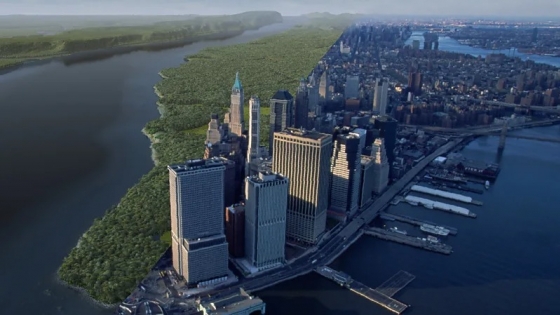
414,221
409,240
444,186
430,204
445,194
382,296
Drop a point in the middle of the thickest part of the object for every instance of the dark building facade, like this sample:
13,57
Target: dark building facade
388,131
281,113
301,112
235,230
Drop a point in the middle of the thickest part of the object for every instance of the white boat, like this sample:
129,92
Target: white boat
432,239
433,229
487,184
396,230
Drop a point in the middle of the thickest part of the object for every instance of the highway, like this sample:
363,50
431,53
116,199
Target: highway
336,245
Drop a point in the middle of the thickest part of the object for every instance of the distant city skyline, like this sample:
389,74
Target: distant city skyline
499,8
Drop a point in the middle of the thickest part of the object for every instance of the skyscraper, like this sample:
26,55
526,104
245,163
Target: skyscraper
367,178
352,88
380,97
387,127
380,166
309,181
214,133
253,151
236,118
313,92
235,230
324,92
345,173
281,112
301,112
265,219
199,247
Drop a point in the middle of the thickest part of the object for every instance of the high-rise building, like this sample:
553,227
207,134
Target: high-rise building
281,113
352,87
253,150
387,127
324,92
380,97
199,247
235,230
236,119
415,82
214,134
266,202
313,92
380,166
415,44
301,112
367,178
345,174
309,181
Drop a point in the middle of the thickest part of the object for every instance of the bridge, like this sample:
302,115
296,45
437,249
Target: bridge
544,109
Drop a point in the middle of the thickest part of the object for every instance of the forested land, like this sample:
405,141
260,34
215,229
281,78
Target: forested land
23,48
119,249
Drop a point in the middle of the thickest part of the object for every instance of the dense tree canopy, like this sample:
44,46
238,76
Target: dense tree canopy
119,249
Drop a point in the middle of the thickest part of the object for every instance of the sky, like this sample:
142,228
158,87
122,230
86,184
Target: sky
529,8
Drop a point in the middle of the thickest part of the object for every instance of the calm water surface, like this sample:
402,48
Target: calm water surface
70,147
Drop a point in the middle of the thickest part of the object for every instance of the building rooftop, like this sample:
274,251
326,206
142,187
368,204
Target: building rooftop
191,165
237,84
282,95
230,304
307,134
266,176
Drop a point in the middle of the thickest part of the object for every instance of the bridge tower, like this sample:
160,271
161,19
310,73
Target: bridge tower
503,136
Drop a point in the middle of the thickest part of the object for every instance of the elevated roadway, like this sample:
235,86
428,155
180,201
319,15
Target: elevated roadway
544,109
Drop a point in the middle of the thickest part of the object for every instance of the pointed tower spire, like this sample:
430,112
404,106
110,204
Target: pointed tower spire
237,84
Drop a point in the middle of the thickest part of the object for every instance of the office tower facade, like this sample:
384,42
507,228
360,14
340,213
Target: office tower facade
281,113
265,220
309,181
199,247
301,112
380,97
236,117
324,91
313,94
253,149
345,174
235,230
415,82
387,127
352,87
367,176
214,133
380,166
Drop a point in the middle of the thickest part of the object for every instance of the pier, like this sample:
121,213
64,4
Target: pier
383,295
445,194
409,240
444,186
430,204
414,221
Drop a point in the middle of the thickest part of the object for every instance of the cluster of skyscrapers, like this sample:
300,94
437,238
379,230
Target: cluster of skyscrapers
247,201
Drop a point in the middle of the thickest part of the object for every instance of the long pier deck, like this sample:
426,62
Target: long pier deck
382,296
414,221
409,240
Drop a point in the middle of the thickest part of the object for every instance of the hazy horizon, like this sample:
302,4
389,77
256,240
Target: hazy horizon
496,8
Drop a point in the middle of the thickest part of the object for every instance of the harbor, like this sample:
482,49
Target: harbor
446,186
414,221
430,204
445,194
382,295
430,243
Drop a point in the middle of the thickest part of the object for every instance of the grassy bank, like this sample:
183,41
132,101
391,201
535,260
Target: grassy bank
119,249
15,49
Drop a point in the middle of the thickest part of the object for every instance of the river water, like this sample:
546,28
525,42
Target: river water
70,147
450,44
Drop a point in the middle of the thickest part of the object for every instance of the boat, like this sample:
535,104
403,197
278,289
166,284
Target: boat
432,239
396,230
487,184
433,229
